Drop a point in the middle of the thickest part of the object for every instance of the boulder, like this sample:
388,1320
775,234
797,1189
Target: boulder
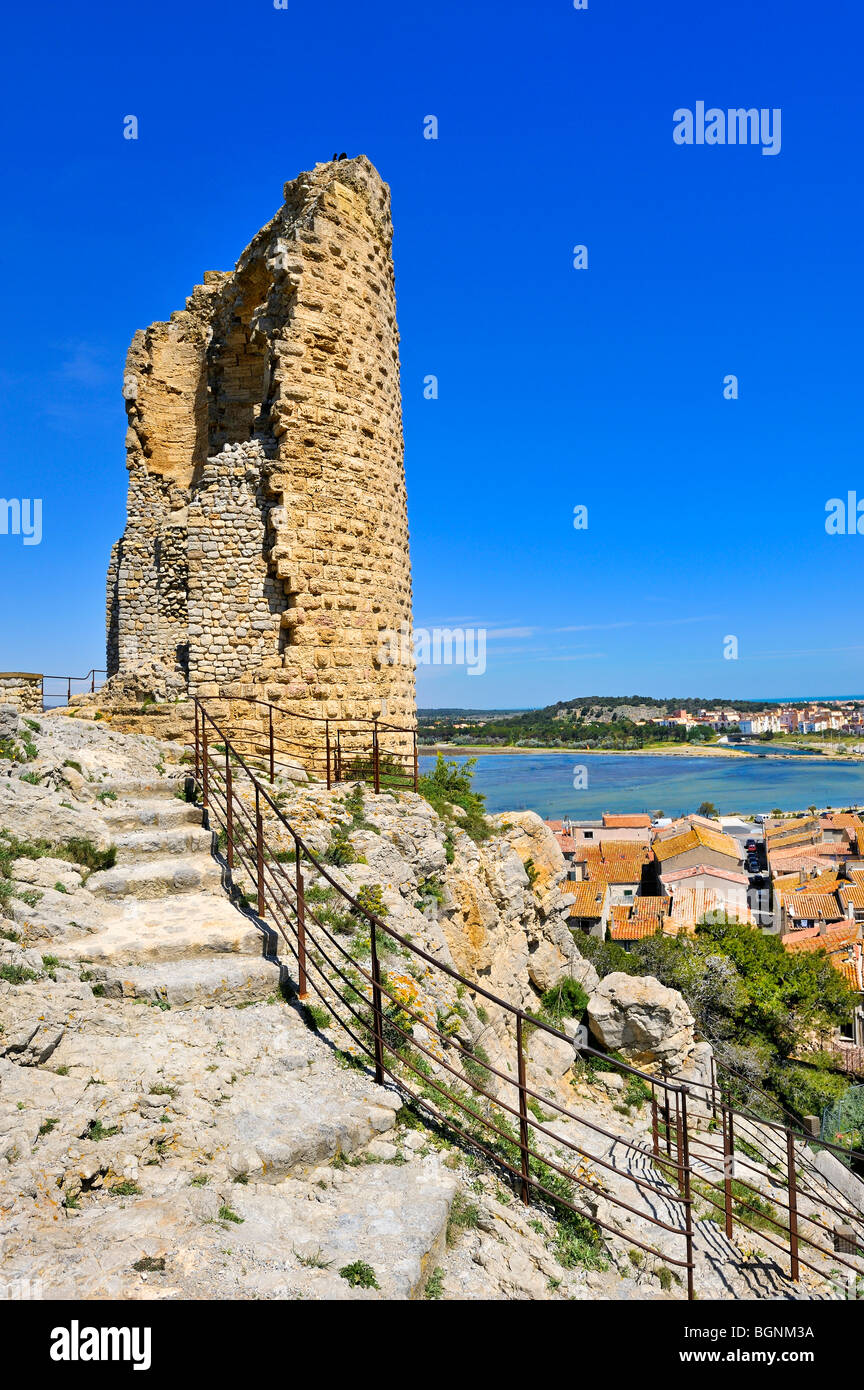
534,843
647,1023
9,721
35,813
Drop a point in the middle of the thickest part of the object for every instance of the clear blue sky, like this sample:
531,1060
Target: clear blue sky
557,387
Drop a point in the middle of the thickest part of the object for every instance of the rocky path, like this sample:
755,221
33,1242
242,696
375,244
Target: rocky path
170,1126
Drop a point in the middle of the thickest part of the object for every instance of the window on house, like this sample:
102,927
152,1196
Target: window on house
589,834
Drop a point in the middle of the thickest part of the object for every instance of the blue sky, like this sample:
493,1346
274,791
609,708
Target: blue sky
557,387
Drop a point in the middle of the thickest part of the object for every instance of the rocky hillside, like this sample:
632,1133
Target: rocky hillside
174,1124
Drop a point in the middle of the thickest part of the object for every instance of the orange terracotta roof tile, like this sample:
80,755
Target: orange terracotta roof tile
815,940
589,897
814,907
851,894
615,822
617,861
697,837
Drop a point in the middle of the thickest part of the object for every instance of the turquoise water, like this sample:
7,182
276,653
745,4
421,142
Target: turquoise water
674,785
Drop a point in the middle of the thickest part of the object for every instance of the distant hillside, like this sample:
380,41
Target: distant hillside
589,721
426,716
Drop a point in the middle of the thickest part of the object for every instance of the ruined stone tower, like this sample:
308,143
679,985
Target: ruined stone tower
266,546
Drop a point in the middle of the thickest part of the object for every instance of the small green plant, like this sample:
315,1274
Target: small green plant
226,1214
359,1275
567,999
17,974
314,1260
464,1216
150,1264
96,1130
47,1126
435,1285
370,899
318,1017
126,1188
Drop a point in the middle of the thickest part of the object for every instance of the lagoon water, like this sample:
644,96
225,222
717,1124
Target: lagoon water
671,784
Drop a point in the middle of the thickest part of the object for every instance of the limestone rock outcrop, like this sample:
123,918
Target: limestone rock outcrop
649,1024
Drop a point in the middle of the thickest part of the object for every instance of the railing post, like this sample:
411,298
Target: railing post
655,1134
728,1164
377,1015
667,1121
259,852
92,682
416,763
793,1203
679,1149
686,1193
205,759
523,1113
338,755
713,1088
327,746
197,749
376,778
301,923
229,809
69,689
272,759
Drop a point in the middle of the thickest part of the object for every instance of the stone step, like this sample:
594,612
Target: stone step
287,1242
143,788
159,814
224,980
138,846
158,878
392,1218
173,929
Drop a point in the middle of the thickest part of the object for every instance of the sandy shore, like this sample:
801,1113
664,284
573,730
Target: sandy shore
685,750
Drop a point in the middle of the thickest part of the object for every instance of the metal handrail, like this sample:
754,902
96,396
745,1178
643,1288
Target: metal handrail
90,676
337,760
302,929
214,773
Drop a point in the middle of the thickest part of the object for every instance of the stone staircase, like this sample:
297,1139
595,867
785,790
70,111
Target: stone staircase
302,1151
168,930
291,1142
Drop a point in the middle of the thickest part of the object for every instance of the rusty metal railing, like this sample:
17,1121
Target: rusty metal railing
383,1024
88,682
276,738
496,1110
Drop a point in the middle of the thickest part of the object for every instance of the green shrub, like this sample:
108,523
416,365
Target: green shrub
449,785
359,1275
567,999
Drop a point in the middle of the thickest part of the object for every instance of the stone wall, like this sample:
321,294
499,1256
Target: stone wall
266,548
23,689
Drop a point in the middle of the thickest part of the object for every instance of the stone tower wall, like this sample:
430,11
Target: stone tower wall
266,549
